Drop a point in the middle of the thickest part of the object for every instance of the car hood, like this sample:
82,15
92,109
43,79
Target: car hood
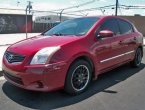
36,43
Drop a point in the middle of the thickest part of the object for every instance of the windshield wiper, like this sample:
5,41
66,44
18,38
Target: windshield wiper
58,34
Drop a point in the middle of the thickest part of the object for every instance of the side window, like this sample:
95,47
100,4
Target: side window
125,27
112,25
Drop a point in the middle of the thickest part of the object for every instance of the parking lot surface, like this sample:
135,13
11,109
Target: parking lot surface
119,89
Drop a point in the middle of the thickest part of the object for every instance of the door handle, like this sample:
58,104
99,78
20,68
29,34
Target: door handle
120,42
134,38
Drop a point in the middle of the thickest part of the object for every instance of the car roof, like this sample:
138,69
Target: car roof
105,17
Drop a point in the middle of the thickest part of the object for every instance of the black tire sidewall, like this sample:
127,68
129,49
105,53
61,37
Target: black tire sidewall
134,62
68,85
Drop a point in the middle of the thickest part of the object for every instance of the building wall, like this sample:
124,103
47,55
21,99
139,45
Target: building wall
15,23
138,21
50,19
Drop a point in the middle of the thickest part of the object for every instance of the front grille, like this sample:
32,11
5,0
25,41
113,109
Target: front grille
14,58
13,78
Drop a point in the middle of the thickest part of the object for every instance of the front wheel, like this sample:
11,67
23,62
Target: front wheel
138,58
78,77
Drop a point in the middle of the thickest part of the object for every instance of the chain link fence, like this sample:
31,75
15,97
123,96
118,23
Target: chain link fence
43,20
14,20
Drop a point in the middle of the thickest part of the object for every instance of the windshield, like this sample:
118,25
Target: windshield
77,27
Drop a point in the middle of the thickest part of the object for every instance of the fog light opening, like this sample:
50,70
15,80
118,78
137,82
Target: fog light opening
39,84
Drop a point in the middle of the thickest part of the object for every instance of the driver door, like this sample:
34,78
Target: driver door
108,50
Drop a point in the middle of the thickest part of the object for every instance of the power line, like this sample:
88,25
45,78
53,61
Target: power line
76,6
83,4
37,11
83,10
132,7
119,8
90,9
18,3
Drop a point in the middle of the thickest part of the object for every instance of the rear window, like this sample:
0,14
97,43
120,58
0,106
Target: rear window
125,27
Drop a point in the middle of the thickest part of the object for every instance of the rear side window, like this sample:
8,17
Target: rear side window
112,25
125,27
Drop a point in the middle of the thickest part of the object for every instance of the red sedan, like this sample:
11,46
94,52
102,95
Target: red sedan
72,54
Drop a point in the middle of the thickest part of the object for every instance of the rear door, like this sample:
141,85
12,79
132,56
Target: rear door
127,39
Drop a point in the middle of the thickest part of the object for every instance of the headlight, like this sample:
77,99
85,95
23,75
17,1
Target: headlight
42,55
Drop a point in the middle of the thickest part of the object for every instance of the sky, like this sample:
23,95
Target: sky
49,5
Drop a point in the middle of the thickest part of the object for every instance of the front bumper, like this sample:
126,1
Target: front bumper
38,77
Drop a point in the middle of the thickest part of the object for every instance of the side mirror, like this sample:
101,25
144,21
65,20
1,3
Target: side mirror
105,33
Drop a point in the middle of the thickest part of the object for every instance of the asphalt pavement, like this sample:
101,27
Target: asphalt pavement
119,89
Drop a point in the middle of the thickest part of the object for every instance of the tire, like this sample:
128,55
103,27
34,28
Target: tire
78,77
138,58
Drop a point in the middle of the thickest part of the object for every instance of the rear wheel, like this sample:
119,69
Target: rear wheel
78,77
138,58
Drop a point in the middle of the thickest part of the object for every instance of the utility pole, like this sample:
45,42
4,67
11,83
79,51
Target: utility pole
60,17
28,8
116,8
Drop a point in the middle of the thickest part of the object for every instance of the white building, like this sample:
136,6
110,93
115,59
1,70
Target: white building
50,19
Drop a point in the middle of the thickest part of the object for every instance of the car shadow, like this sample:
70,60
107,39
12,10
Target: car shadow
53,100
